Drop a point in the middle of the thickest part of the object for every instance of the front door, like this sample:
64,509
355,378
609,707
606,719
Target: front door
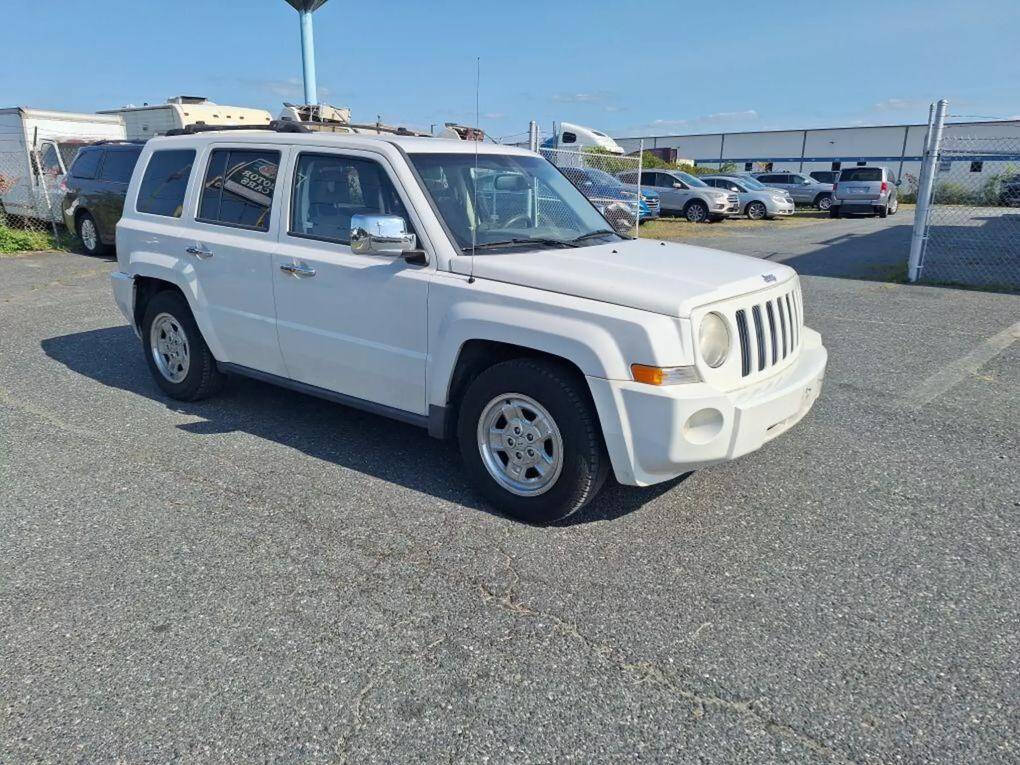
349,323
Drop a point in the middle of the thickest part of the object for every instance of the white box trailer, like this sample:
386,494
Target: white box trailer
142,122
37,147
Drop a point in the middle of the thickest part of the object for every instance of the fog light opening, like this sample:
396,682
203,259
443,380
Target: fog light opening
704,425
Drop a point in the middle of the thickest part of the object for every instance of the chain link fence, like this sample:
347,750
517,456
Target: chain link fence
595,173
972,227
31,192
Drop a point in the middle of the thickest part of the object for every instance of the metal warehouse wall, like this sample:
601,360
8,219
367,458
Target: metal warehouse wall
897,147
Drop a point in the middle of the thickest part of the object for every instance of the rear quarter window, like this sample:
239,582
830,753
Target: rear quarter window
165,182
86,163
861,174
118,165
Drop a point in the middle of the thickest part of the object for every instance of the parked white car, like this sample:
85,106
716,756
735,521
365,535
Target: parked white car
372,272
756,201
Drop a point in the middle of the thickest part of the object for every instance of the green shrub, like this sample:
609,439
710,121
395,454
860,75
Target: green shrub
21,240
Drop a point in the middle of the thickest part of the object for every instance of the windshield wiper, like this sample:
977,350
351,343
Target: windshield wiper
520,242
593,234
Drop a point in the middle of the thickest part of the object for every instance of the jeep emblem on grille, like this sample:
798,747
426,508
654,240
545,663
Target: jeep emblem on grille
769,278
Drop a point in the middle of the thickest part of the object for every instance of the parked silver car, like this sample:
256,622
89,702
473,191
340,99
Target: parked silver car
868,190
682,194
756,201
804,189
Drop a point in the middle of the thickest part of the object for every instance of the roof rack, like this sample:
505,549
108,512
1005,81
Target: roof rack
276,126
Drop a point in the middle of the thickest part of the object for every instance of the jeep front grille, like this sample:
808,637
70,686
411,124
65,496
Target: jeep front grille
768,331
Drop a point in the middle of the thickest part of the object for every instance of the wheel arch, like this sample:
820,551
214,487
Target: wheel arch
146,288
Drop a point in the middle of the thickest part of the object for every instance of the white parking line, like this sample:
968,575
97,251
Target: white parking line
957,371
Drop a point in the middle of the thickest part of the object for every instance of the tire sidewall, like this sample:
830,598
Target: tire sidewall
824,201
584,459
699,204
98,249
757,206
199,358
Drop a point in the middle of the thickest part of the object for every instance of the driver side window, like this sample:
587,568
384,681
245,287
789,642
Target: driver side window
330,189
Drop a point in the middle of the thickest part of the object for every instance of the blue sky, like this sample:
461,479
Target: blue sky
629,68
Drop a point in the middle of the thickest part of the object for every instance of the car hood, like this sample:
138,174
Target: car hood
646,274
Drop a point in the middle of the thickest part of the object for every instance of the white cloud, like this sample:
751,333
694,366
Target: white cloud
594,97
898,104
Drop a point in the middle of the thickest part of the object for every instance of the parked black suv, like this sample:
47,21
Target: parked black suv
94,191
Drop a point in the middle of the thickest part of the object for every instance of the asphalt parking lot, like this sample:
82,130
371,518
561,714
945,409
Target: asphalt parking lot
265,576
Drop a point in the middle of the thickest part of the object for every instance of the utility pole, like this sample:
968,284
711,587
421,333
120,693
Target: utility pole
305,9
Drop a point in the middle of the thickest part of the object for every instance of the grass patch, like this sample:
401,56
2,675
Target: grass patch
14,240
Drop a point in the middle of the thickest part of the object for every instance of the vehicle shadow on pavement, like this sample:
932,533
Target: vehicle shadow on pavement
386,449
871,255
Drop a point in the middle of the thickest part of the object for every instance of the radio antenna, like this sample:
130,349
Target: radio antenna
474,179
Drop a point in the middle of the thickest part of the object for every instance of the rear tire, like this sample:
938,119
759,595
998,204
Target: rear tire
696,212
506,413
178,358
88,233
823,201
883,211
894,205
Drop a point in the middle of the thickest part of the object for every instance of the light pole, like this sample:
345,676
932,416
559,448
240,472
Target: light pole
305,9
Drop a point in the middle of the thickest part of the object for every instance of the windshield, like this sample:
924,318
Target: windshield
689,179
751,183
508,200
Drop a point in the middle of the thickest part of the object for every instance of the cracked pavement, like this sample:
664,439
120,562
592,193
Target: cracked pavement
265,576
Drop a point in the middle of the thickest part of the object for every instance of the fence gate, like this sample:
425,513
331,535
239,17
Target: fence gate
972,230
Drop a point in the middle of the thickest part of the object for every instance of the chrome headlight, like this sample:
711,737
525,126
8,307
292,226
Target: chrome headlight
714,339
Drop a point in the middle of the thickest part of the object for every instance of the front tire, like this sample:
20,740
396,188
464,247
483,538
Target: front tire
696,212
178,358
88,233
756,211
530,440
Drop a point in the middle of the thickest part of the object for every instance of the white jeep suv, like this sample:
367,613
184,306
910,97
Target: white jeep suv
469,289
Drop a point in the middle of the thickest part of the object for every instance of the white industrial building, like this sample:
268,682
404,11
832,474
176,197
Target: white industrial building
896,147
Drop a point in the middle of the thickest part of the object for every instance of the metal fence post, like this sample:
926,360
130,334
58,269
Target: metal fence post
637,216
533,135
925,187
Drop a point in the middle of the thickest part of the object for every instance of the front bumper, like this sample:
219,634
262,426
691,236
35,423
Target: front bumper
654,434
781,208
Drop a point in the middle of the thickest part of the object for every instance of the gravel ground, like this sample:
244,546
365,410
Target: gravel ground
265,576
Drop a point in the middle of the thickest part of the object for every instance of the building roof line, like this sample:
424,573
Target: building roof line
814,129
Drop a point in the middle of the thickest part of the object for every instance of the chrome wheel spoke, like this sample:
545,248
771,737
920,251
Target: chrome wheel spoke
520,444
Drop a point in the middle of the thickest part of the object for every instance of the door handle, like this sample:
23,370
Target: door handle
297,269
199,252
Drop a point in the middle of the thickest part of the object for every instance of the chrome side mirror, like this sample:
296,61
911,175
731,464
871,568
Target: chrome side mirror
380,235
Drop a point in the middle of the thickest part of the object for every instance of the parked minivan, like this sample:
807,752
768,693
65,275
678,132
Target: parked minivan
867,190
94,191
371,271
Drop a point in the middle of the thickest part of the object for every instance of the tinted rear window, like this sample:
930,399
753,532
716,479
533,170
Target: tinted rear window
165,181
861,174
118,165
87,163
238,188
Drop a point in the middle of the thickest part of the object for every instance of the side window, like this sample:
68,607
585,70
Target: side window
648,179
86,164
118,165
330,189
49,159
238,188
569,138
666,181
165,181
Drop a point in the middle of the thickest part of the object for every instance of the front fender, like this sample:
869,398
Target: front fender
600,339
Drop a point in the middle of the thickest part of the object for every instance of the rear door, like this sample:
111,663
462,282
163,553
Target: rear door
230,237
106,198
